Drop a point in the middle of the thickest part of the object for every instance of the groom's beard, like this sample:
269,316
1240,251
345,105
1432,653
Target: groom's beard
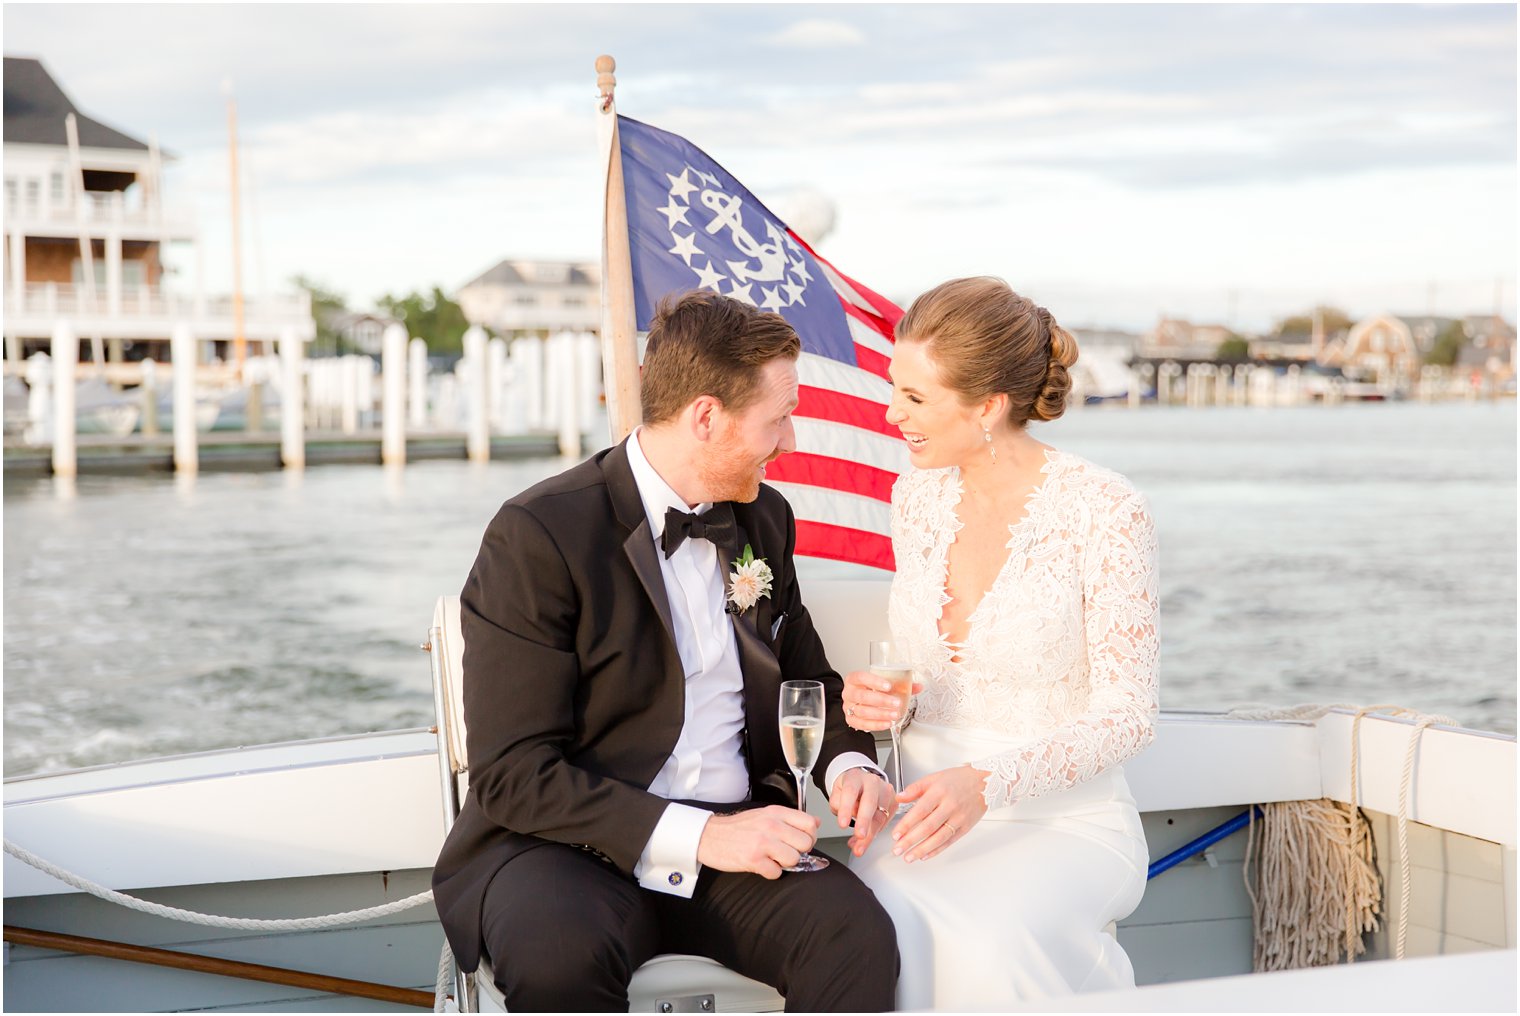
731,472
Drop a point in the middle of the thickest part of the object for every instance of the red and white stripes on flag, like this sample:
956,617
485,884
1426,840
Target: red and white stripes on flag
839,480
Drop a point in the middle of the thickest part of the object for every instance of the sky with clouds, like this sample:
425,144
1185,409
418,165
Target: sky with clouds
1229,163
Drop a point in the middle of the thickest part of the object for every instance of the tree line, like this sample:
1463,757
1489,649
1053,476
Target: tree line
428,315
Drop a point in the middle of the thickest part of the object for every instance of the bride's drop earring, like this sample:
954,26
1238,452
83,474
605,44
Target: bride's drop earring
987,434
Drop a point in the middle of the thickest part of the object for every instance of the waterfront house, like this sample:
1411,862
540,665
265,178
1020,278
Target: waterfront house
361,331
1181,341
1381,349
87,226
1491,347
537,298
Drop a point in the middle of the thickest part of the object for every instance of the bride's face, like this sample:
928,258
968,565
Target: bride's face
940,429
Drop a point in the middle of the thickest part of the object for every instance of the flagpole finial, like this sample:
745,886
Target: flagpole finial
606,81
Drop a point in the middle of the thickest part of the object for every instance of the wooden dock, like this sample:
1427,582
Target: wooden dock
99,453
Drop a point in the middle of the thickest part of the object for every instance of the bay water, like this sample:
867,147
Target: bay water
1356,553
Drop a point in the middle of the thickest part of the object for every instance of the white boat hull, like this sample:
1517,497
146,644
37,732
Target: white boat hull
345,823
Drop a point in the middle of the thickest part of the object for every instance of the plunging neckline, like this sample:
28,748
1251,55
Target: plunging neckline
955,650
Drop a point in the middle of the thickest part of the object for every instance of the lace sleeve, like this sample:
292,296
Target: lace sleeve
1120,605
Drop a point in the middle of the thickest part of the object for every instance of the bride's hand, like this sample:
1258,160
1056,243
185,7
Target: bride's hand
867,706
945,805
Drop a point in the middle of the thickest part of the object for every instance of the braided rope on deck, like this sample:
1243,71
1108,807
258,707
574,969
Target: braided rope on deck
320,922
214,920
1318,884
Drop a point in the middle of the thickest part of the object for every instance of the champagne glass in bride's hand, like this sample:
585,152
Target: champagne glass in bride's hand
889,664
801,718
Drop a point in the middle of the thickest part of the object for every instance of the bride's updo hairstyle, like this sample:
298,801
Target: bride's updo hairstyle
987,339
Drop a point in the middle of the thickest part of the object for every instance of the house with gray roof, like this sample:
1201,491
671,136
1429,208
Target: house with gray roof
520,297
87,225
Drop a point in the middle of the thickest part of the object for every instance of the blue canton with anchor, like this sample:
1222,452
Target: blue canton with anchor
693,226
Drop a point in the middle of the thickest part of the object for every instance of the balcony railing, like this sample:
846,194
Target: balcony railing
52,300
99,210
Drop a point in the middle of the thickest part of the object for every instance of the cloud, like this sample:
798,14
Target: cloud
395,145
818,33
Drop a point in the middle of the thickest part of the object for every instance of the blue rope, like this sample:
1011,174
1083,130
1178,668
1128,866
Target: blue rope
1202,843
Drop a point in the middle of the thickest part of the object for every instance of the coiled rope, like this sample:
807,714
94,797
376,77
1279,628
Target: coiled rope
318,923
1316,888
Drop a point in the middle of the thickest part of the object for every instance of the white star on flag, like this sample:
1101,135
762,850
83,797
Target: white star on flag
772,301
708,278
794,292
680,187
686,246
742,293
675,213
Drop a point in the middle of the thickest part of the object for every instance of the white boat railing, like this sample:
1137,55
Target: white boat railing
280,811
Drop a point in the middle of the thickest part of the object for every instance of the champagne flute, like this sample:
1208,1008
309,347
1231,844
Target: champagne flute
889,664
801,719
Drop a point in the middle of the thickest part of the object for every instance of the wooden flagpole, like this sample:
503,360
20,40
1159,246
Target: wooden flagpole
620,354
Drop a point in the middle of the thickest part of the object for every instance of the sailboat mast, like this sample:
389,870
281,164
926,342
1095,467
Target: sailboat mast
89,302
239,342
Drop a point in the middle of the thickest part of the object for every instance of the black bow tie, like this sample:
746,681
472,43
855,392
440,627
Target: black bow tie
716,524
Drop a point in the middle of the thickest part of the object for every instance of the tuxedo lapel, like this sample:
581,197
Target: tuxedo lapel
762,671
646,565
629,509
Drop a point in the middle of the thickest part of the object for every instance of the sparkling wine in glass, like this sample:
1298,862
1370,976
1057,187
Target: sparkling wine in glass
889,664
801,718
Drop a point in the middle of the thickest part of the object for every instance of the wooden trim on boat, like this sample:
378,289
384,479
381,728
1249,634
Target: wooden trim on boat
214,965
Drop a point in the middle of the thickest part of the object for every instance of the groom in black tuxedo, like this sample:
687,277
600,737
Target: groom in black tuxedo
628,793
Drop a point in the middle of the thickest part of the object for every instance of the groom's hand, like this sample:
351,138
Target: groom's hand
865,799
760,840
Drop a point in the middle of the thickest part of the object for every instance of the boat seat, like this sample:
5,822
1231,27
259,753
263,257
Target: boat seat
669,982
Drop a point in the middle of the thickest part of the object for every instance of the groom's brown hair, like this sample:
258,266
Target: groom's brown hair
701,343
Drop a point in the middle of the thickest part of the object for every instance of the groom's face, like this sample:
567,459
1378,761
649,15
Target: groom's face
735,460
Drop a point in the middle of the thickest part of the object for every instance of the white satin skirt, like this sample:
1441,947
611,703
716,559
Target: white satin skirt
1019,907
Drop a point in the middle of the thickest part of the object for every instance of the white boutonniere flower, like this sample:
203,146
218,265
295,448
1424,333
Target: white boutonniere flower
750,580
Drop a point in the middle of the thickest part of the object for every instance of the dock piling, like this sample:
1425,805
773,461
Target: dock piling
562,376
182,357
149,392
348,389
65,366
292,401
476,396
496,382
393,399
417,379
39,399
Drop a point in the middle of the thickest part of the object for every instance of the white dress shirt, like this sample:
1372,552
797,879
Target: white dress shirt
707,763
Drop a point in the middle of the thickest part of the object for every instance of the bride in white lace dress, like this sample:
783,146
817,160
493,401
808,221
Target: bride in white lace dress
1026,601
